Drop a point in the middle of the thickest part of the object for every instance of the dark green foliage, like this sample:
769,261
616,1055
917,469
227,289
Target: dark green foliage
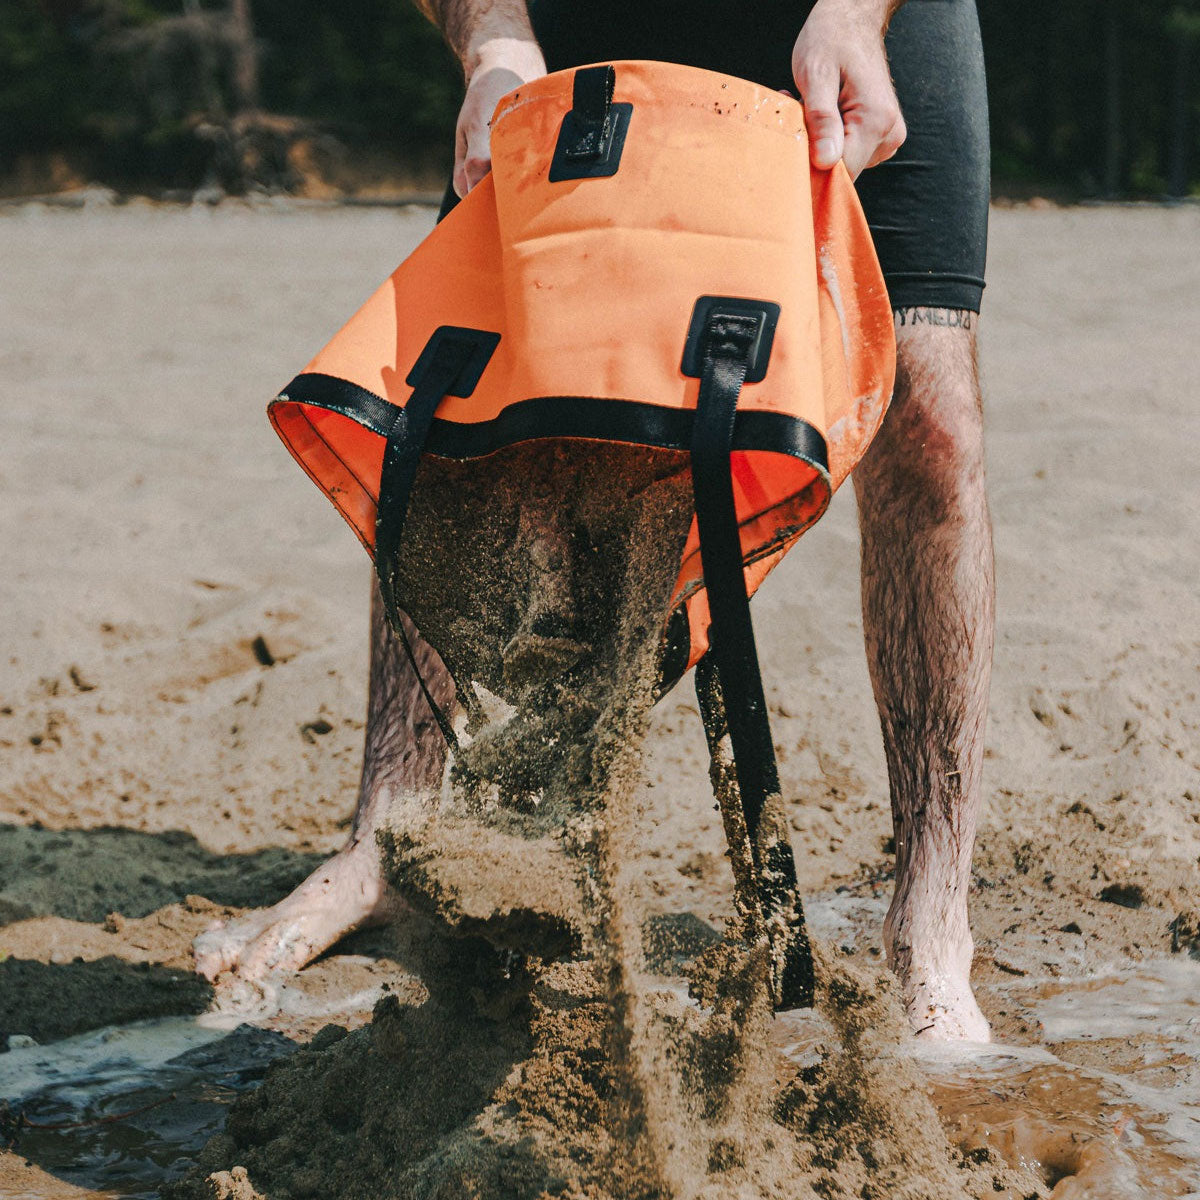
1089,97
375,68
41,67
141,93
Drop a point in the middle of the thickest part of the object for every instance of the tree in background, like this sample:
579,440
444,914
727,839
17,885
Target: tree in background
182,94
1080,99
128,88
1089,97
1183,24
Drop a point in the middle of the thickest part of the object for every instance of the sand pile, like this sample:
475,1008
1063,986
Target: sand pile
501,1087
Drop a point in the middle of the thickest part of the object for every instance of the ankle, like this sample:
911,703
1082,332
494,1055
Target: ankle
928,934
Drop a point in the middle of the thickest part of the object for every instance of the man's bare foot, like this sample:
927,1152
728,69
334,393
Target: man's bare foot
932,961
943,1008
344,894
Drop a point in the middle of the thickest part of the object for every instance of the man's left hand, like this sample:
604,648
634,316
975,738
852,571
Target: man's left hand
841,71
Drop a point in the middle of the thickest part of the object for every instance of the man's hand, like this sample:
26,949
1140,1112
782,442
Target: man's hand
494,41
493,70
841,71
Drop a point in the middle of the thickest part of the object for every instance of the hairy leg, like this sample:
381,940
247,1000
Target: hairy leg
928,612
404,752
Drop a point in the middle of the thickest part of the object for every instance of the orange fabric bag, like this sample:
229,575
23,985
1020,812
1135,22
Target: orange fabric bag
591,283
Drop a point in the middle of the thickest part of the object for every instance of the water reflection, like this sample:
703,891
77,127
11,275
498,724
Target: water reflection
125,1109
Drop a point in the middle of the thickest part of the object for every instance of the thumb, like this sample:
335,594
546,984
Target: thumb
472,140
477,158
460,155
826,137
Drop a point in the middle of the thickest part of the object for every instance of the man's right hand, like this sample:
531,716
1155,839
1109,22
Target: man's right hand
493,70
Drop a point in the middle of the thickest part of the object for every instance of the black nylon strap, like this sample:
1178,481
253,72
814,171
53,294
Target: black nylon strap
592,135
729,687
587,417
443,721
451,364
406,440
729,342
591,104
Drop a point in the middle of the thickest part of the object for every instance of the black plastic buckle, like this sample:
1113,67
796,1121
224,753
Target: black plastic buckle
592,135
732,336
726,326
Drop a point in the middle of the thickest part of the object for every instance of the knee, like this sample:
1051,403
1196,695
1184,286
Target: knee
928,455
928,468
937,443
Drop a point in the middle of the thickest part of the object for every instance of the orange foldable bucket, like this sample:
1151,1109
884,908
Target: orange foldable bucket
582,290
651,261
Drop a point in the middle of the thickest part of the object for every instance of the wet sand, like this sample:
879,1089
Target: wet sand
181,701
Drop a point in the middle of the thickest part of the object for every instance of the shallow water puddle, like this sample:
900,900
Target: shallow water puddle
124,1109
1083,1132
1107,1107
1109,1110
1110,1107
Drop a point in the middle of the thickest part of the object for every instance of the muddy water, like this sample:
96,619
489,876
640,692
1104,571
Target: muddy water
1111,1106
123,1109
1108,1108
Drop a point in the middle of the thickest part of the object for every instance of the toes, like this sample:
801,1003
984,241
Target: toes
215,951
210,962
208,967
247,998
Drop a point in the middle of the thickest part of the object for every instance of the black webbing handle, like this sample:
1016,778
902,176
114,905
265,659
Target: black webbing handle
592,135
727,343
725,354
451,364
591,107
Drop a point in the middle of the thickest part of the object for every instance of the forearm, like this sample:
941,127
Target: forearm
470,26
867,14
495,44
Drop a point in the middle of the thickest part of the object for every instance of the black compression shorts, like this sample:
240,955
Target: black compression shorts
928,205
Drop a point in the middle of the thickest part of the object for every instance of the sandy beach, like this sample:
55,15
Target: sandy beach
183,663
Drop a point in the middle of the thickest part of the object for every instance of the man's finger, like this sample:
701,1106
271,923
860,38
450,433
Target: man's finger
860,146
478,162
459,178
472,156
872,138
819,88
890,143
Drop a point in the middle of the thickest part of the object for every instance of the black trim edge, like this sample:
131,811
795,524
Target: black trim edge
586,417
